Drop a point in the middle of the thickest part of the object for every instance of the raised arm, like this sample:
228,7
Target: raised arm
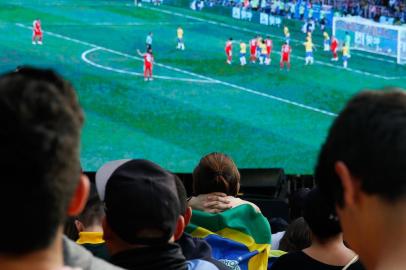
139,53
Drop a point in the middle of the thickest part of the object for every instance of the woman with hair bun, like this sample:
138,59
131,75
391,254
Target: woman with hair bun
237,232
217,175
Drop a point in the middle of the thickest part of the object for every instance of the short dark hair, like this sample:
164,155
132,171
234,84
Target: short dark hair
182,194
216,172
297,236
369,137
93,212
296,203
319,217
39,140
70,230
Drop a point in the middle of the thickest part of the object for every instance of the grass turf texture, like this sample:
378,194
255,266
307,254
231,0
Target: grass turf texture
175,120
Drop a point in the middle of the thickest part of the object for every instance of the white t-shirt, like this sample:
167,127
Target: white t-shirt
276,238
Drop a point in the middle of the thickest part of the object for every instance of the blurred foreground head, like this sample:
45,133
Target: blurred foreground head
40,121
361,170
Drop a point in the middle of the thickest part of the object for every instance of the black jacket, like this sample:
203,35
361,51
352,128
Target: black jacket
195,248
168,257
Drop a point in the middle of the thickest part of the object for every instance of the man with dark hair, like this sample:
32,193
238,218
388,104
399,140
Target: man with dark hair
143,216
89,226
296,203
326,250
296,237
42,181
362,170
193,248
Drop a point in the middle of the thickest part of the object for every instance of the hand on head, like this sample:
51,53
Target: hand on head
215,202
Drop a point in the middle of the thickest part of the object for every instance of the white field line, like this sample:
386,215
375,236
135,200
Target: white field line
120,24
117,52
255,32
44,3
122,71
286,101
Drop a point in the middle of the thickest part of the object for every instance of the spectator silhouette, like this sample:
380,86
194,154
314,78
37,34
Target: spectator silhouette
327,250
143,216
42,180
362,170
89,226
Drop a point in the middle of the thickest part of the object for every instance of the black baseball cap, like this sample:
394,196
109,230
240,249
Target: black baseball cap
139,195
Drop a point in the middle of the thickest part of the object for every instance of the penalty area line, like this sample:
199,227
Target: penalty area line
116,52
272,97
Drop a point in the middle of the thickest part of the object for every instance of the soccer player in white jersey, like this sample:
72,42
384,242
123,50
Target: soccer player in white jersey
148,40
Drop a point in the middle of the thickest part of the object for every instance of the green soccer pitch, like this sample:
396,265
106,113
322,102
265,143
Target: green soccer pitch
263,117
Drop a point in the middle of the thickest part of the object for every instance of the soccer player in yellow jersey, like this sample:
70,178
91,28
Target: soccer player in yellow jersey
309,51
286,33
326,42
346,54
181,45
243,53
264,52
309,35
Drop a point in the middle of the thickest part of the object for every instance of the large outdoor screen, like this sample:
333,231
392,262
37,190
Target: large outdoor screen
198,99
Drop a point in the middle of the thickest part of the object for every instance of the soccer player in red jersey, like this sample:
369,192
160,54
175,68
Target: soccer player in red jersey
36,32
268,43
253,50
229,50
334,48
148,63
285,55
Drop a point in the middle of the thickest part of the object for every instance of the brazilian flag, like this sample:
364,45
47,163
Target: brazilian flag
240,237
